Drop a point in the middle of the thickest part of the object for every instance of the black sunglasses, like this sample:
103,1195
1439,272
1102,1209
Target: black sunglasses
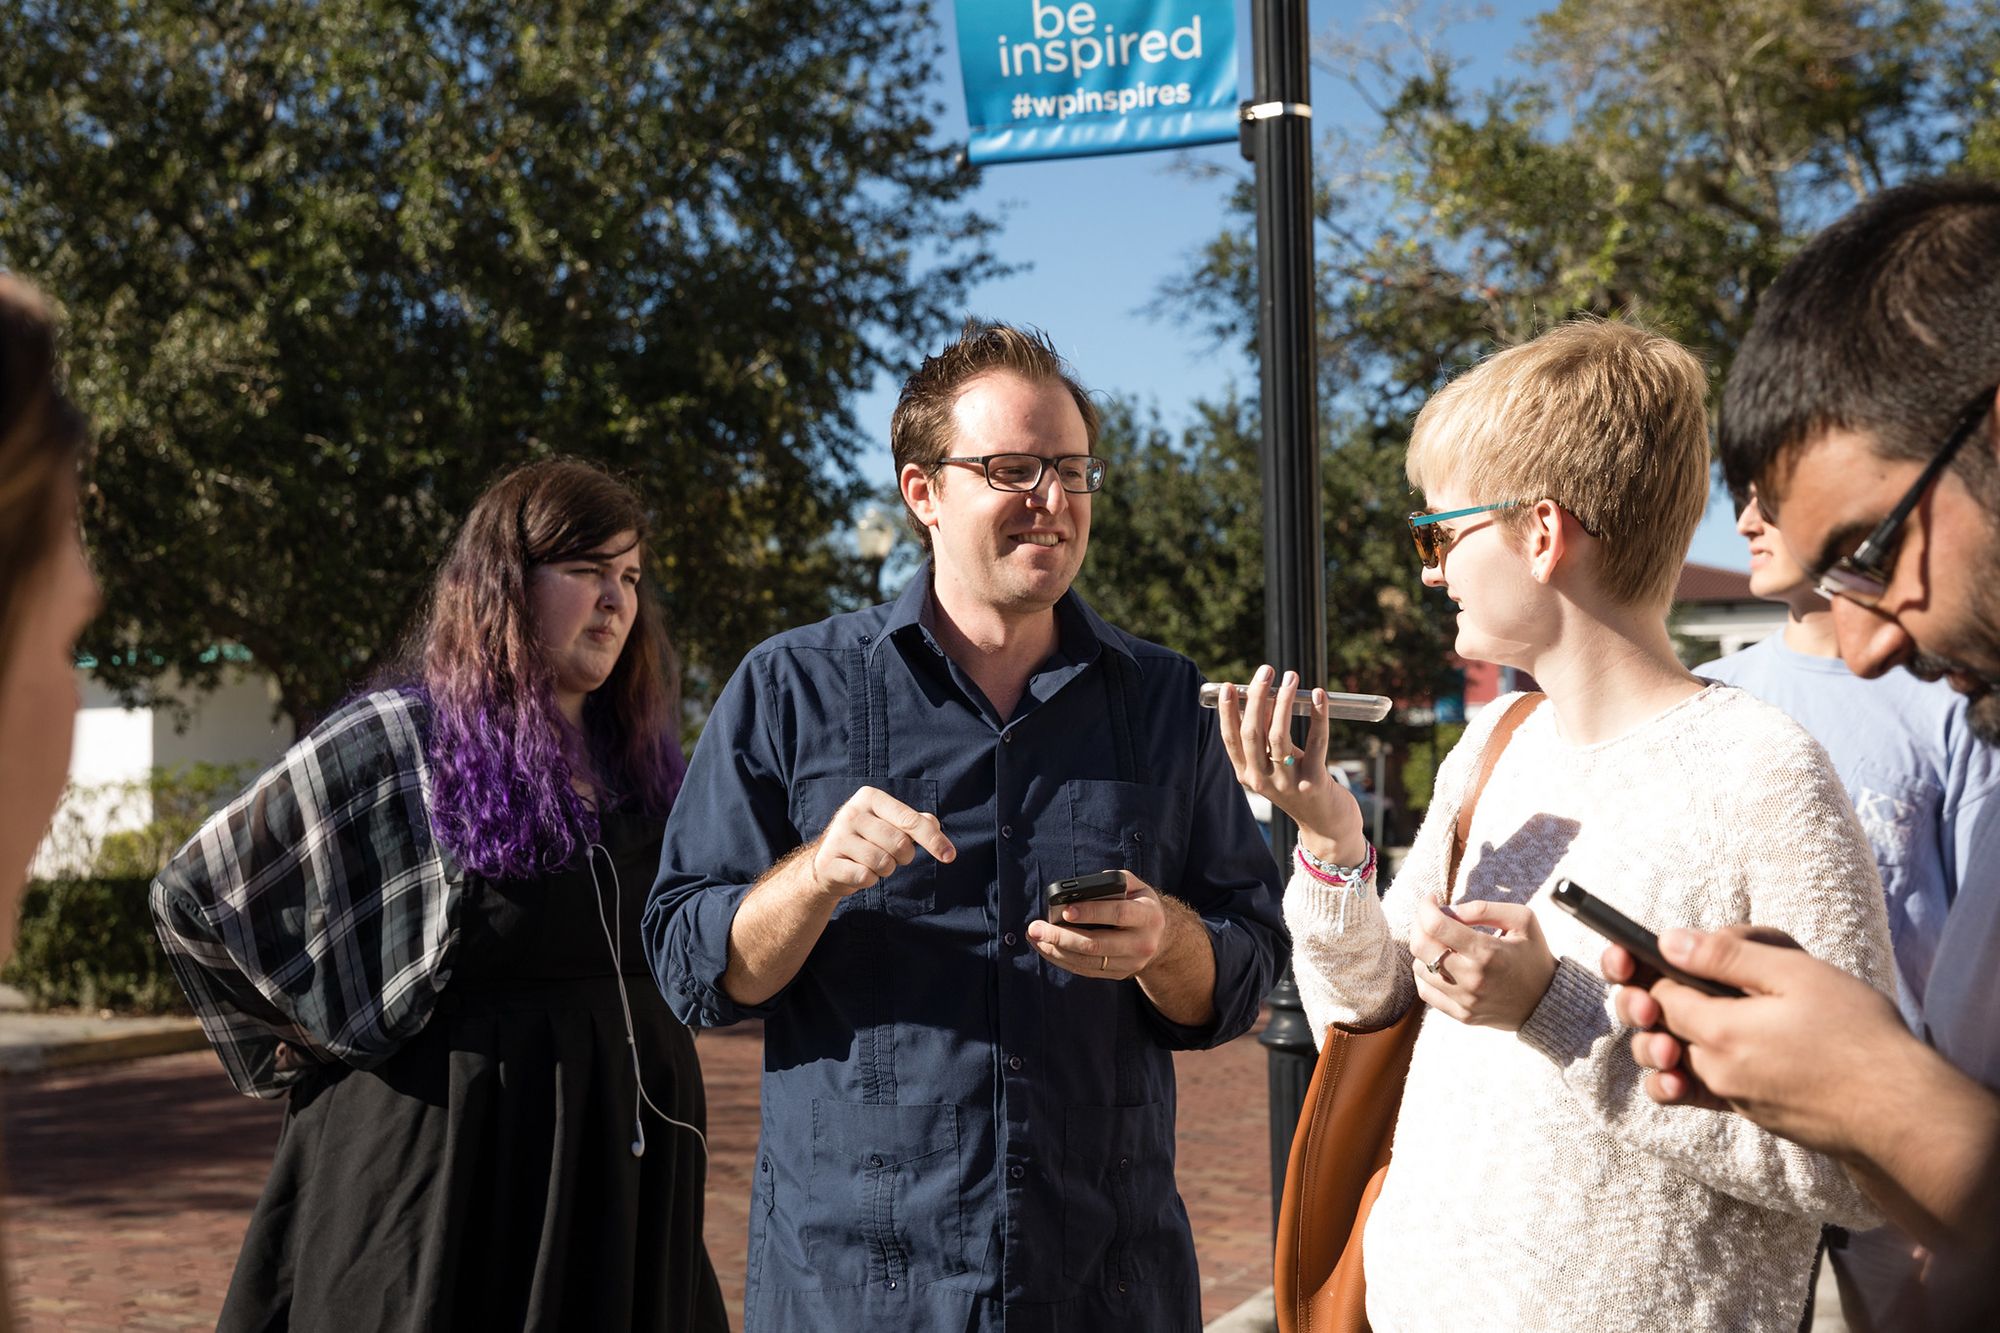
1863,577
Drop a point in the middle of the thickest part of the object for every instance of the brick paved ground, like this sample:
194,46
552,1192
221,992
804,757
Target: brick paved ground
129,1184
128,1188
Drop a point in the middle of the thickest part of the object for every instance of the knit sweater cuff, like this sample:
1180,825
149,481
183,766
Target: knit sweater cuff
1571,1015
1319,902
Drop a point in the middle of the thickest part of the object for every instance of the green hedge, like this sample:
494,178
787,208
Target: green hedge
89,944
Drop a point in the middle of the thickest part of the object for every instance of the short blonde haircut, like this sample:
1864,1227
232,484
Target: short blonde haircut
1607,419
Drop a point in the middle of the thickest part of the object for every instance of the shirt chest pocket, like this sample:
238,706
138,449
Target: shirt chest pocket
1895,811
912,889
1126,826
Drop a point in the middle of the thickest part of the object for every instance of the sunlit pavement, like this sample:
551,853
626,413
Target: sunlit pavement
129,1184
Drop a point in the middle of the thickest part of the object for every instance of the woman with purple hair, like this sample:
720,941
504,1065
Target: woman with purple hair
413,926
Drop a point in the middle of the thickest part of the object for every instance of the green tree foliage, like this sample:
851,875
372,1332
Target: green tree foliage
1657,158
1177,551
328,267
89,944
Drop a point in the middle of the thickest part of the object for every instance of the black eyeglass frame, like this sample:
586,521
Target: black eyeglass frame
1862,576
1095,468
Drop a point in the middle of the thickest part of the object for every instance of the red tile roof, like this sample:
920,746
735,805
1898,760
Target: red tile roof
1707,583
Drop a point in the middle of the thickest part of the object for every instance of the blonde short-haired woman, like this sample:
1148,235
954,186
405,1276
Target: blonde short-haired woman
1533,1185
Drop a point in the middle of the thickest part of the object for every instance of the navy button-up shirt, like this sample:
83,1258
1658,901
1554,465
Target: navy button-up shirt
957,1134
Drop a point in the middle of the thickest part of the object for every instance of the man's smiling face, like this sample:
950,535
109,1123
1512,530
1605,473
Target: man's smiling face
1011,551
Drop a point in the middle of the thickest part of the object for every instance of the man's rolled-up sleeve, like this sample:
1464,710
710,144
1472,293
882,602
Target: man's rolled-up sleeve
730,824
1231,880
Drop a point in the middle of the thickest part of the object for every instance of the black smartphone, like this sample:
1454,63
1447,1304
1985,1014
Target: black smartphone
1628,934
1083,889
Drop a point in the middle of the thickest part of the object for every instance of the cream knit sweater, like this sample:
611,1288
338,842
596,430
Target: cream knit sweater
1533,1183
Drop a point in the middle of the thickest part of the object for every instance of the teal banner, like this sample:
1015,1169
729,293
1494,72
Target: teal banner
1099,76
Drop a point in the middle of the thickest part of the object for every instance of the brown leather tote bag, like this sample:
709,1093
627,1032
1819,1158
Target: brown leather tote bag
1340,1152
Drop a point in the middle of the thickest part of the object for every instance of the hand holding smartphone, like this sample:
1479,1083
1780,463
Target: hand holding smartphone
1630,936
1349,707
1083,889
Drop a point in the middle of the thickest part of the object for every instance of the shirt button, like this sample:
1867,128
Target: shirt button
1016,1171
1121,1286
1013,1062
1006,738
892,1285
874,1161
1010,939
1006,830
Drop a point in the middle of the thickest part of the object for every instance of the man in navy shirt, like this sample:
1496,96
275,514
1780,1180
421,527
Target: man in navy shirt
968,1110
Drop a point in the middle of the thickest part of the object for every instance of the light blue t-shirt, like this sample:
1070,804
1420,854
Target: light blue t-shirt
1920,782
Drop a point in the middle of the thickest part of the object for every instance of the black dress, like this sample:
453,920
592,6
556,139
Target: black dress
483,1177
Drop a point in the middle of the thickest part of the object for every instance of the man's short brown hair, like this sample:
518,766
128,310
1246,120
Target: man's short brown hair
1607,419
920,432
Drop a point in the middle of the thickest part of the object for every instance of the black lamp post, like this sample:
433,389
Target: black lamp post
1277,136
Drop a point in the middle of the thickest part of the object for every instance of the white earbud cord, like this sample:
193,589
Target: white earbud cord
616,944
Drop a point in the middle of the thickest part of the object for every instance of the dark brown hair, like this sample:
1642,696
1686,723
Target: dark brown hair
920,431
1886,324
42,440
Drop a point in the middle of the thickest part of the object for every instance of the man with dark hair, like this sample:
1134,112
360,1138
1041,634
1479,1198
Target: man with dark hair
968,1101
1862,408
1927,792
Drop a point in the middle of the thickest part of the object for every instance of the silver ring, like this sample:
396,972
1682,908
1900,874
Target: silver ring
1438,962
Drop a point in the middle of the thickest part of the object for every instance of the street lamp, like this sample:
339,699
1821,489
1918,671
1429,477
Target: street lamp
874,539
875,534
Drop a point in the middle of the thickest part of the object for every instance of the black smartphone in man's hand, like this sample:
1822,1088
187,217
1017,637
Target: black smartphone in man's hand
1083,889
1630,936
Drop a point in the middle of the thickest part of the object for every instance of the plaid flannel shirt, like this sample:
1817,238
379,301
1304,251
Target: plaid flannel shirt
315,917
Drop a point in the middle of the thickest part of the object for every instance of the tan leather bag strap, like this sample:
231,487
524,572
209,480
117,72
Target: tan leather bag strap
1461,832
1346,1128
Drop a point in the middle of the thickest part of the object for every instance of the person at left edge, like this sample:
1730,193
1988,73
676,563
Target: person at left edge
420,927
968,1111
47,596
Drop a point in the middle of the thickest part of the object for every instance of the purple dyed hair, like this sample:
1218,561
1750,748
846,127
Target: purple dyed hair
503,757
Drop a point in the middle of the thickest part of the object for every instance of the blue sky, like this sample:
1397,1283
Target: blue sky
1097,236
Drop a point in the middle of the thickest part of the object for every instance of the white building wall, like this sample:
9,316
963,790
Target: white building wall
1731,627
235,725
115,745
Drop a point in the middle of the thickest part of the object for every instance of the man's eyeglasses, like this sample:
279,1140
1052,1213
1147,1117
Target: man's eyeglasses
1433,541
1863,577
1080,473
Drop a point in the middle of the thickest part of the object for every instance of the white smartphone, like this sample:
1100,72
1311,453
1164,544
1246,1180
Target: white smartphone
1348,707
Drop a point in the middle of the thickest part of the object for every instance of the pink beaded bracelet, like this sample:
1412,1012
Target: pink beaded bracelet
1337,877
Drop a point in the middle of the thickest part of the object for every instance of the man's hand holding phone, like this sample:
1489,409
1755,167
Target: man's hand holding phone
1788,1054
1112,937
868,838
